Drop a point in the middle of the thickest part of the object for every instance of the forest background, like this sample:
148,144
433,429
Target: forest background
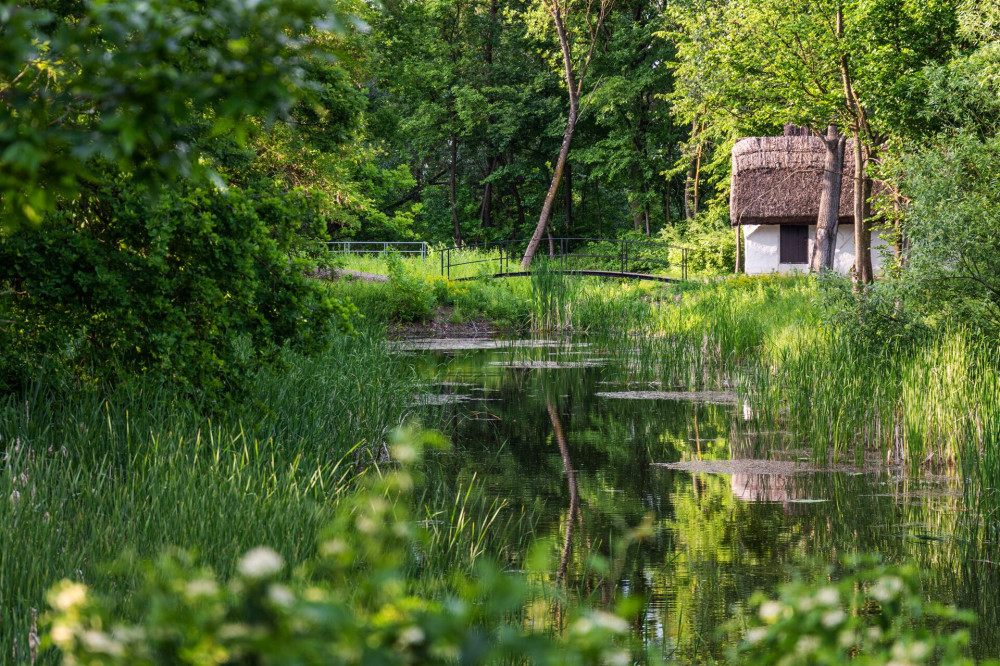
161,164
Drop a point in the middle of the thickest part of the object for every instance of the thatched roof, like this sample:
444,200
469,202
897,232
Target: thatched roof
777,180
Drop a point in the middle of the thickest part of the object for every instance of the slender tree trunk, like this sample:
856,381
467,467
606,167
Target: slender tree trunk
645,205
573,87
552,243
695,198
486,208
634,200
898,244
739,249
829,201
666,204
451,189
688,184
550,197
521,222
600,218
568,192
863,273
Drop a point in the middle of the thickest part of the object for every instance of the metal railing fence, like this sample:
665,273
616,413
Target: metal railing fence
604,255
380,247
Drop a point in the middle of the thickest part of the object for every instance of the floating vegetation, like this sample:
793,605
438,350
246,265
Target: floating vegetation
710,397
549,365
438,399
744,466
467,344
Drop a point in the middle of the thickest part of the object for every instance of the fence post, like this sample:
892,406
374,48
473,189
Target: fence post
449,263
423,251
442,263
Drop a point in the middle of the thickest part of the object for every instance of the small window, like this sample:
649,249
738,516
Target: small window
794,245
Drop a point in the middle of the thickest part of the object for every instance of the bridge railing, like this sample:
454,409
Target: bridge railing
570,253
380,247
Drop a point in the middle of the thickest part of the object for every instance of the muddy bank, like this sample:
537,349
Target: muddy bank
442,326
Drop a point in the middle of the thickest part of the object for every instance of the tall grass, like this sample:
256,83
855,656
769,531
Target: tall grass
89,480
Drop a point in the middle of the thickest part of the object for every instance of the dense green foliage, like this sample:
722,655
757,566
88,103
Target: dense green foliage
354,603
123,250
170,367
866,617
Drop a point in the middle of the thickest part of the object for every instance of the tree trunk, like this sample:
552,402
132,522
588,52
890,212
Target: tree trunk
829,201
521,222
695,198
486,208
688,182
739,249
451,189
568,192
550,197
666,203
645,205
636,211
863,273
573,87
597,199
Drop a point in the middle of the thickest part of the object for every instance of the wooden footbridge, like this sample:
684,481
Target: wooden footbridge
602,257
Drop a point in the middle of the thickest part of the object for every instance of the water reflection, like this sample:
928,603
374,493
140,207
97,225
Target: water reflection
587,468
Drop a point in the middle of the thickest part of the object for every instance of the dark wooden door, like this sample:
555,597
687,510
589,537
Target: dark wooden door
793,247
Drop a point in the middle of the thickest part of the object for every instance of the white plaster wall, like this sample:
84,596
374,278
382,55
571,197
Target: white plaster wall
762,241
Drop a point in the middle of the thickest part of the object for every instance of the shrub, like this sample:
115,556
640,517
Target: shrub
351,604
873,615
166,290
413,298
710,241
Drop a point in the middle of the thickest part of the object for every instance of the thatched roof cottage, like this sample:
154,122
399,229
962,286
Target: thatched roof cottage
775,201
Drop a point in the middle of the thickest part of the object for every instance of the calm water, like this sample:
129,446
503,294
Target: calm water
534,428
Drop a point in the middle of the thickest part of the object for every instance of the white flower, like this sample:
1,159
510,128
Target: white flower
887,588
260,563
833,618
97,641
280,595
756,634
828,596
333,547
69,596
411,636
203,587
770,611
61,634
807,644
610,622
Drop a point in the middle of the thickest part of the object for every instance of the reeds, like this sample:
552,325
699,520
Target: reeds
89,480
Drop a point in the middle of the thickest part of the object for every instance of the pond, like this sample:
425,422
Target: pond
578,454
